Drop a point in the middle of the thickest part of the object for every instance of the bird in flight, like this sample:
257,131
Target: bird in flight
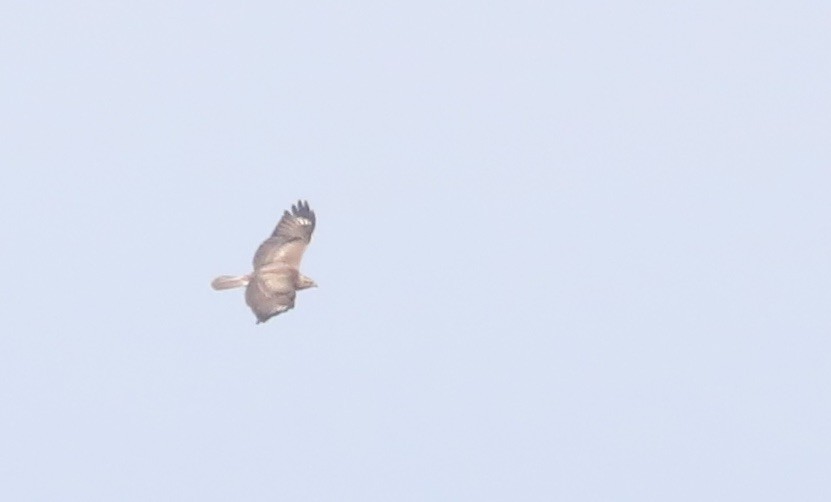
270,289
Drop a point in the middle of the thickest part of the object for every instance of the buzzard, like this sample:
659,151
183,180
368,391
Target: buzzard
270,289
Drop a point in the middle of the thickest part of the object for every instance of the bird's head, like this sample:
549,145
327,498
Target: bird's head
304,282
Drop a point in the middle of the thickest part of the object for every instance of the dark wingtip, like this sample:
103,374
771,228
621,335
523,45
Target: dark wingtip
302,208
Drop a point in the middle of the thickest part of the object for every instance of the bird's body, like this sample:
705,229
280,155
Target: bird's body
272,287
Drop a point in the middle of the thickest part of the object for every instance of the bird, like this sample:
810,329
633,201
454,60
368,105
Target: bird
270,289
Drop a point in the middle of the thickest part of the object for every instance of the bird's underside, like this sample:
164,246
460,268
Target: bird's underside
272,287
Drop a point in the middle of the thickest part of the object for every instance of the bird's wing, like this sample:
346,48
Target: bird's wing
271,291
289,239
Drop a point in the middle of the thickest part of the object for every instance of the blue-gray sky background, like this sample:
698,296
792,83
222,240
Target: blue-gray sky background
566,250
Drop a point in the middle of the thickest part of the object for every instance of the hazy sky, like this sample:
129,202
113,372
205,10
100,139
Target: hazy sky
569,251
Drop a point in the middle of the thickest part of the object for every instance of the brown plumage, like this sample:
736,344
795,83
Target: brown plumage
272,286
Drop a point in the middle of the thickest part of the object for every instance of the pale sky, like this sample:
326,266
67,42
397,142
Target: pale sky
569,251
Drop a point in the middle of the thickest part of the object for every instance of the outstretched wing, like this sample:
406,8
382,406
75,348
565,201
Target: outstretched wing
289,239
271,291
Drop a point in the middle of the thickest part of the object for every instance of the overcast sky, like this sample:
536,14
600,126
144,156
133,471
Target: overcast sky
566,251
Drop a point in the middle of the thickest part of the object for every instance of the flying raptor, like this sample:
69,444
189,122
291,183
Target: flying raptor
271,288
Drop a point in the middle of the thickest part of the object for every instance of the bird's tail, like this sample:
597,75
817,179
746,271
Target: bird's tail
230,281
